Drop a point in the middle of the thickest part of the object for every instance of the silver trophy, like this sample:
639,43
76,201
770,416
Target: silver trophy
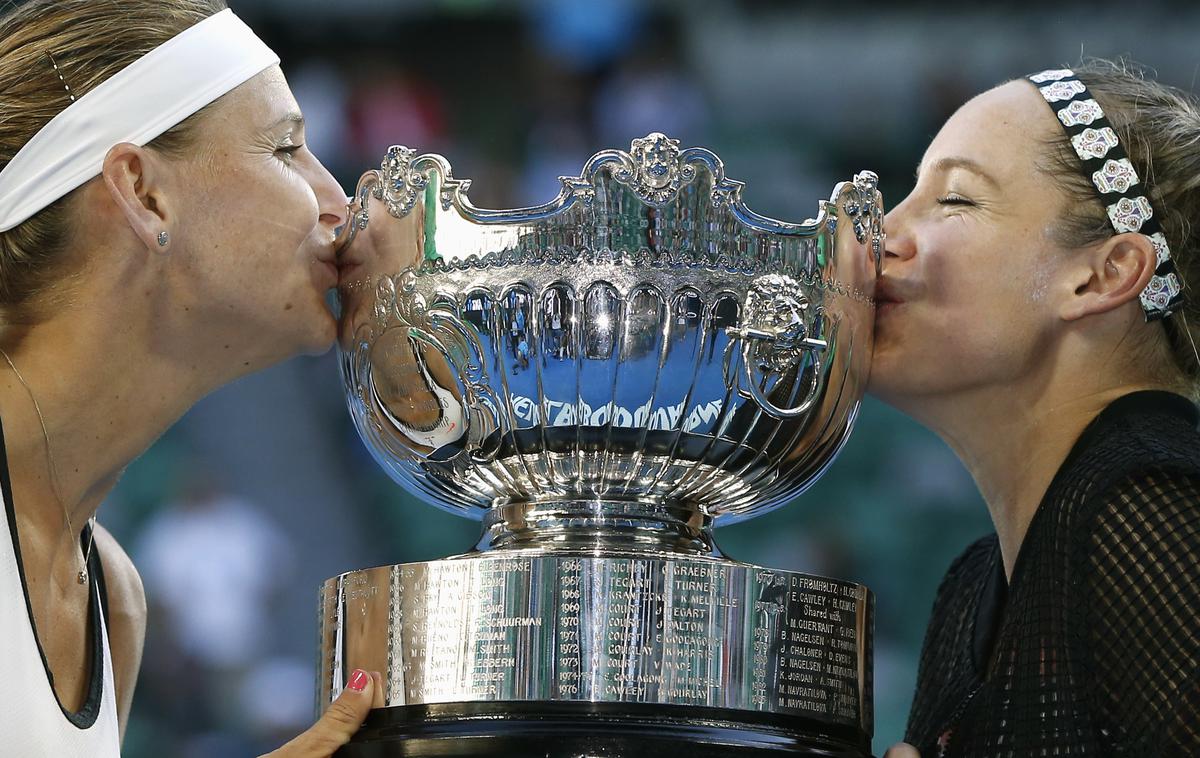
601,380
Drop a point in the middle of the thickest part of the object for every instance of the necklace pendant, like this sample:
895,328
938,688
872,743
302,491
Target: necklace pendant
82,576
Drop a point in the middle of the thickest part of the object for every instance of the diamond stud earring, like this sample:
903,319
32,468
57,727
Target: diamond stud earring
163,238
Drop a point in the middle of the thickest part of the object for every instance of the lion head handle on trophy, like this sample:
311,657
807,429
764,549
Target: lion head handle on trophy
774,337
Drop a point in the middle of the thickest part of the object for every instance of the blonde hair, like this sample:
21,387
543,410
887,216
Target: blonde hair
1159,127
46,46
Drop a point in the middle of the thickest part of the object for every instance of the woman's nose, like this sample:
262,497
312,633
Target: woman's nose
899,242
331,198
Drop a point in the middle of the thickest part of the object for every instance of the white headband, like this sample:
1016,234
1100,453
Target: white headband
137,104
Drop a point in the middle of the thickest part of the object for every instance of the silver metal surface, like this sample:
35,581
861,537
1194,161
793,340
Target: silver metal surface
645,337
684,631
601,380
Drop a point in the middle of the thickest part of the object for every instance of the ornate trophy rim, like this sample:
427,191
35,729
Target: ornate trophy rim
404,176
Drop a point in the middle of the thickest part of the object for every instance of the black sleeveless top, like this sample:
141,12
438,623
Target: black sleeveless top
1094,646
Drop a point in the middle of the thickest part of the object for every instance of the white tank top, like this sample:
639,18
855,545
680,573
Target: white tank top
32,722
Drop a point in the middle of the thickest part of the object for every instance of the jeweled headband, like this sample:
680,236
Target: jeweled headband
137,104
1107,165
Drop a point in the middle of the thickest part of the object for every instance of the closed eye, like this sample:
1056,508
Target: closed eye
953,199
286,152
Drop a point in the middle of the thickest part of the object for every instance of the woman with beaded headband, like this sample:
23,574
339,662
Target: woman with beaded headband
163,230
1034,311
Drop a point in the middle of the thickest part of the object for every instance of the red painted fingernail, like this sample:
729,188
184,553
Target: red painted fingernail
358,680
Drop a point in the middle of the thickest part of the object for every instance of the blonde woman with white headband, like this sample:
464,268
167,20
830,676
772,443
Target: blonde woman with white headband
163,231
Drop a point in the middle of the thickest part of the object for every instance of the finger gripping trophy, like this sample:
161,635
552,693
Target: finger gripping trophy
601,380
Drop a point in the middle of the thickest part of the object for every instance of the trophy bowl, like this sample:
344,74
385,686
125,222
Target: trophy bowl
601,380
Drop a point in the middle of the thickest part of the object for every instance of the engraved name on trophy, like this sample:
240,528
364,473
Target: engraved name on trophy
601,380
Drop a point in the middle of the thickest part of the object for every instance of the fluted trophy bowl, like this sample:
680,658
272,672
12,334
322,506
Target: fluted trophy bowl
601,380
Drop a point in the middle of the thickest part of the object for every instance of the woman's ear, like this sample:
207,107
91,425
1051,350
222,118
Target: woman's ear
133,177
1110,275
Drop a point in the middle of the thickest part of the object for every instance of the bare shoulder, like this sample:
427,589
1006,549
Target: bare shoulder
126,618
126,595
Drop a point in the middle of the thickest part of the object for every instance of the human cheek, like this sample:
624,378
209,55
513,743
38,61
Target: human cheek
295,207
952,261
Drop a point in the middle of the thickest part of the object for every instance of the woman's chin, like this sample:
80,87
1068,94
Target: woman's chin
888,380
878,389
323,337
311,337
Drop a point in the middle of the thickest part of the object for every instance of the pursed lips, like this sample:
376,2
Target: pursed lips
888,295
346,268
328,261
345,261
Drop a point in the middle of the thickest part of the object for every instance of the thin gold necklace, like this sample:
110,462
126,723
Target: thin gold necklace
82,576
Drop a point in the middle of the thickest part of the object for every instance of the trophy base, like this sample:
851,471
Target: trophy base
583,656
592,730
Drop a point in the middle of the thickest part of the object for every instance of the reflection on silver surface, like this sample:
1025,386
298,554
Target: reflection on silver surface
698,632
601,380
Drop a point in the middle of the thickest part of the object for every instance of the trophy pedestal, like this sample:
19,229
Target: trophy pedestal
591,730
518,653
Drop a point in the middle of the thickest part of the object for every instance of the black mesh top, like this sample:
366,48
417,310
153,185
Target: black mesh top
1093,648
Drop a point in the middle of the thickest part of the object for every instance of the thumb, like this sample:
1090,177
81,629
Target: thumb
338,724
902,750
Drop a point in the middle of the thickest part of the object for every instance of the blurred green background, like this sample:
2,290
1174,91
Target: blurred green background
263,491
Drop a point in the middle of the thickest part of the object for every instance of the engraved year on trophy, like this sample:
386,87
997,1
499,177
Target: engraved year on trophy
601,380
